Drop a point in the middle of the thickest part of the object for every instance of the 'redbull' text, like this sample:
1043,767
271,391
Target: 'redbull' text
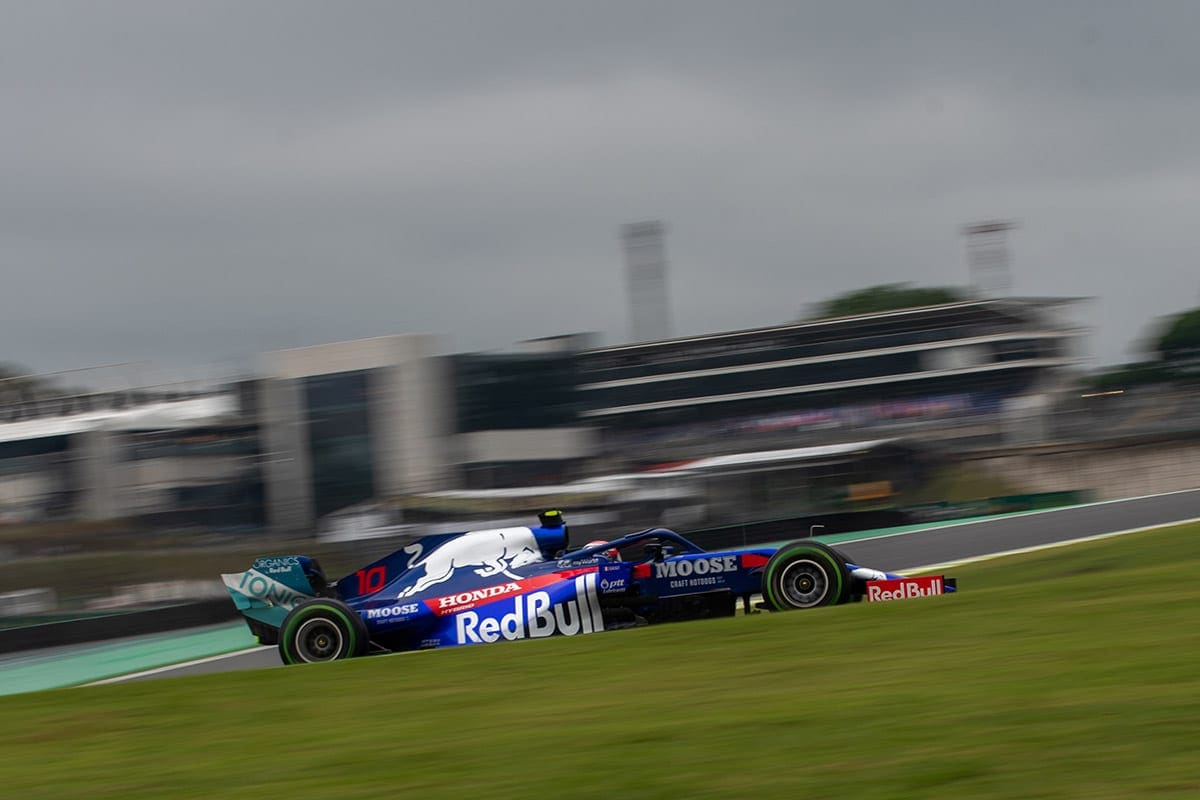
534,616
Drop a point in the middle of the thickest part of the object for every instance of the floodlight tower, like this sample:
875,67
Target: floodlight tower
987,256
646,266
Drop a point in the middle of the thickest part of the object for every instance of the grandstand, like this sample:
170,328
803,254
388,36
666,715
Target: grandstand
954,367
335,426
162,453
516,419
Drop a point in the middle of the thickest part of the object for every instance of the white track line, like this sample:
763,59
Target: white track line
169,667
997,517
1035,548
927,568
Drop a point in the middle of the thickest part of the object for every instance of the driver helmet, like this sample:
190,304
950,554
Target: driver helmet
612,554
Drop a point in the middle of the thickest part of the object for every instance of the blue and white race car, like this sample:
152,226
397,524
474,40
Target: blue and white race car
525,583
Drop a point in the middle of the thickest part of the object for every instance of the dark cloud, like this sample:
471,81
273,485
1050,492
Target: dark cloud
189,183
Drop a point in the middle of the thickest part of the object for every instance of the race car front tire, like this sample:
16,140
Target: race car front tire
805,574
322,630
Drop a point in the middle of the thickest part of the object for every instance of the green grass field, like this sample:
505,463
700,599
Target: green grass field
1071,673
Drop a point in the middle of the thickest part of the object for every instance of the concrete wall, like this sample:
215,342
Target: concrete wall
327,359
287,471
181,470
147,486
1110,470
21,494
95,454
25,487
412,423
546,444
409,419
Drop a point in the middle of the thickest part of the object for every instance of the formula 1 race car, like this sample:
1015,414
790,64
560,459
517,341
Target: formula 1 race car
517,583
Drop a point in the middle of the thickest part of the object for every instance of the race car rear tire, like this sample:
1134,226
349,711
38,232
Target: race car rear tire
805,574
322,630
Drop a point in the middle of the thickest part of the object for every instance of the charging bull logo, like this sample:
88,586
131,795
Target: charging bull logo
491,553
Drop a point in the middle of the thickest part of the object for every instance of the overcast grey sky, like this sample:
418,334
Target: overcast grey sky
188,183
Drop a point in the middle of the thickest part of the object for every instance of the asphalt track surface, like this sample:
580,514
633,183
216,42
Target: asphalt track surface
980,538
898,552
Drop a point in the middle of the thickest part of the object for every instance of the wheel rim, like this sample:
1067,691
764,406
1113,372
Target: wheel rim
804,583
318,639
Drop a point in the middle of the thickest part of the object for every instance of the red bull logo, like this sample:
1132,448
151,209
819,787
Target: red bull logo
535,615
905,588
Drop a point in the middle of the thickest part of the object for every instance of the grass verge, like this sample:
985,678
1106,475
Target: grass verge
1062,674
